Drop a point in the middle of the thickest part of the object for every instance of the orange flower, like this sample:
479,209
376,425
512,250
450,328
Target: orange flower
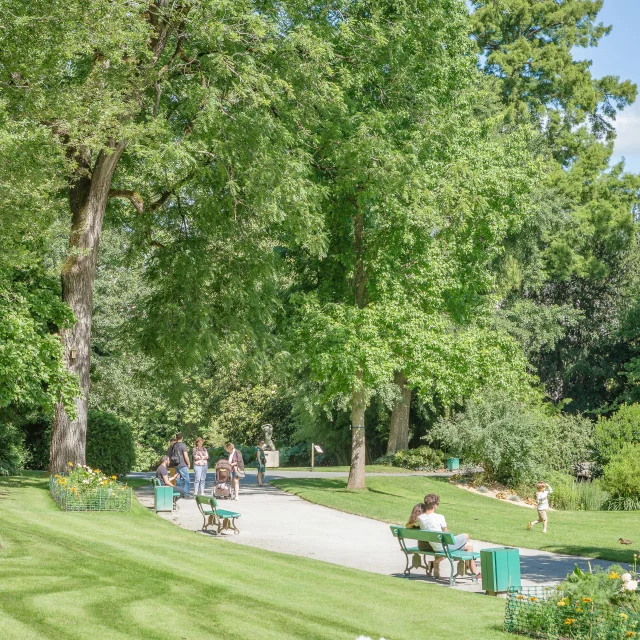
587,600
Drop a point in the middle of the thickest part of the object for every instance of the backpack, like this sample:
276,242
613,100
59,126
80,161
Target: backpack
174,456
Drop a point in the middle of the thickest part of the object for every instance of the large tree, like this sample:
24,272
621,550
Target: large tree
420,192
138,101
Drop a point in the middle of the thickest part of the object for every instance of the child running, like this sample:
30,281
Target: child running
542,498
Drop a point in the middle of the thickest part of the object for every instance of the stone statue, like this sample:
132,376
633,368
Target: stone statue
268,432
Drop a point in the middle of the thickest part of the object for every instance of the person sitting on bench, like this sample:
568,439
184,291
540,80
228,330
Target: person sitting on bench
432,521
162,472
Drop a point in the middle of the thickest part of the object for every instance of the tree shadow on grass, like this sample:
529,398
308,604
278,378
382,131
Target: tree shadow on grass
30,479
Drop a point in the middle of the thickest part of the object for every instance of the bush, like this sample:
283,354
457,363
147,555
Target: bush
612,433
109,443
569,495
621,477
12,451
421,459
516,442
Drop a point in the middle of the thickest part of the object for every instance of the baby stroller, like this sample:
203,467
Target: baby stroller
223,487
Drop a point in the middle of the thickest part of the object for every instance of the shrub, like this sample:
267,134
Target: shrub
621,476
516,442
109,443
12,451
421,459
569,495
613,432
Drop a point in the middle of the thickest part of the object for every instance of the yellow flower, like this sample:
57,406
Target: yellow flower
587,600
563,602
533,598
624,616
569,620
613,575
114,477
578,610
70,464
520,597
630,634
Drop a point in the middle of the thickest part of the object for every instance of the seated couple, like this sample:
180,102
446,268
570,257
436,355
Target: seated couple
424,517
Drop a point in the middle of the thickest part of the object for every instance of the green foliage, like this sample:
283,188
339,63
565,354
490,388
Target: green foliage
514,440
569,495
110,445
612,433
12,450
32,374
621,475
528,46
421,459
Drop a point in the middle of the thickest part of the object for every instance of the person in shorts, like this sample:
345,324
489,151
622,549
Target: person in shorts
432,521
237,467
542,501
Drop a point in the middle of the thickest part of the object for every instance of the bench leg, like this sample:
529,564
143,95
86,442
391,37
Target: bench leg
234,526
436,568
452,576
429,567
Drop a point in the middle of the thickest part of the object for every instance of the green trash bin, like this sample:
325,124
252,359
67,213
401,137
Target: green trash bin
500,569
453,464
163,499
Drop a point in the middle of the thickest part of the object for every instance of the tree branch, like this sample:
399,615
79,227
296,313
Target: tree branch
133,196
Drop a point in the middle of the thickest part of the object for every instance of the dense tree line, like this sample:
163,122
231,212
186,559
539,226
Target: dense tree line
347,219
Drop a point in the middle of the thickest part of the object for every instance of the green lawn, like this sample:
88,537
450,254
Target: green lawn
370,468
591,534
134,575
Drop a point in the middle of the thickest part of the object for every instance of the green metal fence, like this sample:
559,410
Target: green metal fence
546,612
116,497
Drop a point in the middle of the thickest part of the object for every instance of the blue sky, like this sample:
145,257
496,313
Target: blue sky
617,55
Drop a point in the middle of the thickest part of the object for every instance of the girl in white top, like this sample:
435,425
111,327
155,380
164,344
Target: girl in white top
542,499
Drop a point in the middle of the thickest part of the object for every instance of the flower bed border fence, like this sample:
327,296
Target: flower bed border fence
544,612
110,498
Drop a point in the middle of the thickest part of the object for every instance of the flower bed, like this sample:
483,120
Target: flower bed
598,605
86,489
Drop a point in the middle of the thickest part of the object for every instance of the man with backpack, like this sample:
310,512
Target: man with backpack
179,457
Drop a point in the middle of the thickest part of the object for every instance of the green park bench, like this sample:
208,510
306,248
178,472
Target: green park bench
416,557
215,517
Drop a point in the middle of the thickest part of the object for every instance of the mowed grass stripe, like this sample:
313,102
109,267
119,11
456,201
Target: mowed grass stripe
135,575
591,534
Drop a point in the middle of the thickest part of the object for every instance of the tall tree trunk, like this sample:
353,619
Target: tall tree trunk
88,195
358,396
399,429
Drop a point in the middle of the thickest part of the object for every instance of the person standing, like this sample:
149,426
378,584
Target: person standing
180,457
237,467
262,461
172,467
200,465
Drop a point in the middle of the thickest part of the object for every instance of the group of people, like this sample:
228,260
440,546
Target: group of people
174,465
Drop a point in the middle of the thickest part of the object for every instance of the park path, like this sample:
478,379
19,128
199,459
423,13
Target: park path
274,520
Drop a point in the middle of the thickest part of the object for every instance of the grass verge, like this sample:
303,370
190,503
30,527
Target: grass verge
592,534
134,575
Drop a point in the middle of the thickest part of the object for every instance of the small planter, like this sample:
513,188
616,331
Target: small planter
116,497
544,612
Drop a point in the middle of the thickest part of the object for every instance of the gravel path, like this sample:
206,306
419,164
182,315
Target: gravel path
274,520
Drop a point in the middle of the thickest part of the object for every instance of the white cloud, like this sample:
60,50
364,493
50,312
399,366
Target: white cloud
627,126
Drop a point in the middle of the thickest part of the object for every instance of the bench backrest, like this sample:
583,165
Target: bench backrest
210,501
426,536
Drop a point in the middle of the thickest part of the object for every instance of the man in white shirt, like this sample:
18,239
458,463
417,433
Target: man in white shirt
432,521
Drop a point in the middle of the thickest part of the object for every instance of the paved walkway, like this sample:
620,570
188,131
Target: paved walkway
278,521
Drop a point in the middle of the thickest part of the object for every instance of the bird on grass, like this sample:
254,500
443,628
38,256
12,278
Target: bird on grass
623,541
